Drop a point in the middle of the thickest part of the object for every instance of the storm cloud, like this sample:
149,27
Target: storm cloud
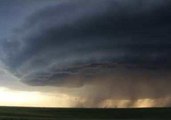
111,44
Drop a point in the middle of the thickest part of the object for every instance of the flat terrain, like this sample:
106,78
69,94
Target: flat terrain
23,113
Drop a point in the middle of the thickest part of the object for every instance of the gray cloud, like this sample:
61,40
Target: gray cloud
71,44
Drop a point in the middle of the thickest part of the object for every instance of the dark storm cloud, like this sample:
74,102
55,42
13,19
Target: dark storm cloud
74,42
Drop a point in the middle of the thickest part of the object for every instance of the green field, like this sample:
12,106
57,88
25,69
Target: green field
23,113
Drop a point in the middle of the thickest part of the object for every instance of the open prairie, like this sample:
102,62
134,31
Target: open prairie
23,113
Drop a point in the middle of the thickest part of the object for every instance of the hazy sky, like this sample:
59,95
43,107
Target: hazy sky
85,53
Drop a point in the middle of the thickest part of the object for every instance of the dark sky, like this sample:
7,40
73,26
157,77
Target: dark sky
120,47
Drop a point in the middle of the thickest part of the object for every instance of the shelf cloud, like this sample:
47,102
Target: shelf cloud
122,47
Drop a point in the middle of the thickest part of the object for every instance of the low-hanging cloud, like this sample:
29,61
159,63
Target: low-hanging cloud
120,46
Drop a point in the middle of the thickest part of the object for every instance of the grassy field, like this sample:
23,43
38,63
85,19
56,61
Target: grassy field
23,113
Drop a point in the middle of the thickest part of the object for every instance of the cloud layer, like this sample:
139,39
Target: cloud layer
110,44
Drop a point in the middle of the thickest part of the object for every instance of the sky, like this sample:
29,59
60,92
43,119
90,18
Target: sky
85,53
